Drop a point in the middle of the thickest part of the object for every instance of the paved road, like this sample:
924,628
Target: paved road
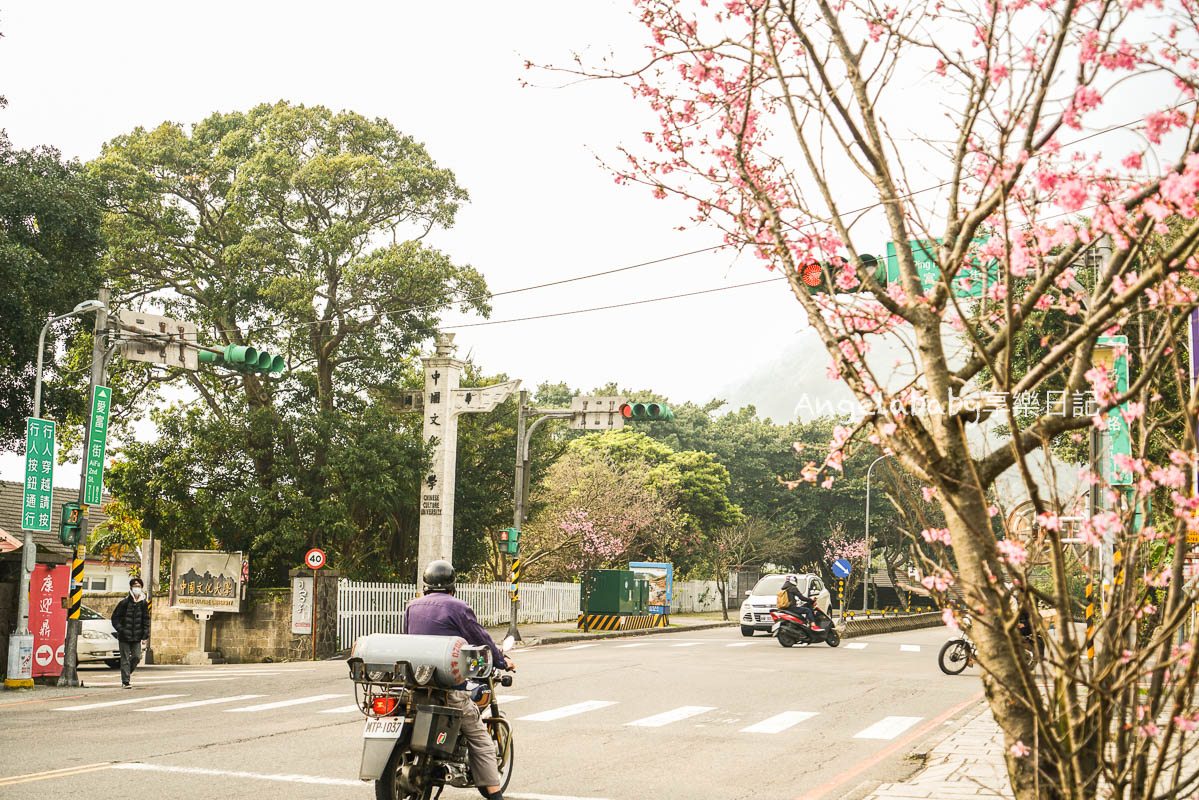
701,714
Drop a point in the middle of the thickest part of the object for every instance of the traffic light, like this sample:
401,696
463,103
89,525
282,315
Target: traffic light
70,527
818,276
646,411
510,541
244,359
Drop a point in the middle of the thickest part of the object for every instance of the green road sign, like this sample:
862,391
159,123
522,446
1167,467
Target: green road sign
1118,438
968,283
97,441
39,474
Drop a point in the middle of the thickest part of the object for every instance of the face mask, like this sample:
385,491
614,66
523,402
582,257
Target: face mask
136,591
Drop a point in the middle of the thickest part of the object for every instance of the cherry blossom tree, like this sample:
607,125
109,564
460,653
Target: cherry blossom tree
983,131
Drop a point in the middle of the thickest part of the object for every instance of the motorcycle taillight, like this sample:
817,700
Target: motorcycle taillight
382,706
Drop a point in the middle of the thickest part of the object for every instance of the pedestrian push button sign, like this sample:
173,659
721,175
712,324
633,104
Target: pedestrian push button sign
315,558
39,475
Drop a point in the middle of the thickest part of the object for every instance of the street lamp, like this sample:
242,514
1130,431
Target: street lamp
21,633
866,576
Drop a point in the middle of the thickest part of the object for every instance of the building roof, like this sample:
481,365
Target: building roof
12,495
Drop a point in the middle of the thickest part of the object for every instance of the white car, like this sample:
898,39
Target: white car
760,600
97,639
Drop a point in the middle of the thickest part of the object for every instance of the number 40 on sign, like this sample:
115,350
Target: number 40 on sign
315,558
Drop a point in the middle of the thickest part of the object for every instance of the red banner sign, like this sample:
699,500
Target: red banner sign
48,587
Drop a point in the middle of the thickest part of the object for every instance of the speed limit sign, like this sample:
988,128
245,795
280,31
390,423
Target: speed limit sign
315,558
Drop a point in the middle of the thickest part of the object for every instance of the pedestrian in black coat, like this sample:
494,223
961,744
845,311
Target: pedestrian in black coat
131,618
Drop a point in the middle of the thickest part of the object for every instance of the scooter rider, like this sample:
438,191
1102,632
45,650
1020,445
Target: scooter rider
439,613
799,604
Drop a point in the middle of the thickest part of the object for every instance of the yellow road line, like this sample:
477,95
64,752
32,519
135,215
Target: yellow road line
55,773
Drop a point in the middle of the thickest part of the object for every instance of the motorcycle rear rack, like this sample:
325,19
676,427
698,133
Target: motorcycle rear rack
400,682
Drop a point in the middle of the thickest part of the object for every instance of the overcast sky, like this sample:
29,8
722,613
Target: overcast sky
77,74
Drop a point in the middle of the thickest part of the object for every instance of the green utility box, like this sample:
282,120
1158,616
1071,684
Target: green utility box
614,591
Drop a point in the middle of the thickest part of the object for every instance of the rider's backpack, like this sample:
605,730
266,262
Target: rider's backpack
783,600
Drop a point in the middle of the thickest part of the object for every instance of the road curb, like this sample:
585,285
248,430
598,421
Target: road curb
587,637
906,622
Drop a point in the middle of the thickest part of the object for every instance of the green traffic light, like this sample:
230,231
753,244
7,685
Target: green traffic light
244,358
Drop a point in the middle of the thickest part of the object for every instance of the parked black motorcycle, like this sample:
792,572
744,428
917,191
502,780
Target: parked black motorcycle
793,629
412,745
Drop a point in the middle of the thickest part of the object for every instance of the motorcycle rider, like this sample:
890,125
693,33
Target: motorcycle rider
439,613
800,604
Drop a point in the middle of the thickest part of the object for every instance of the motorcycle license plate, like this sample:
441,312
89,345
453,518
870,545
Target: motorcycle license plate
383,728
775,627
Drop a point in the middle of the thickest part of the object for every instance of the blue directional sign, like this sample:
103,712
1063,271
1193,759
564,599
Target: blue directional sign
842,568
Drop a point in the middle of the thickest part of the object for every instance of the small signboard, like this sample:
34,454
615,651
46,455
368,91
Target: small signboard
842,568
48,617
968,282
97,443
315,558
158,339
1117,439
596,413
661,583
301,604
39,475
206,580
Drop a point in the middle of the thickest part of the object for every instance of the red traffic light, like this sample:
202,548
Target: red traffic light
626,411
504,535
809,273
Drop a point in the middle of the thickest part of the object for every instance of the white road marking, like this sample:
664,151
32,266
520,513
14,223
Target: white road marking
739,644
686,644
316,698
667,717
579,646
887,728
165,673
780,722
856,646
567,711
119,702
509,698
194,703
634,644
314,780
341,709
909,648
159,681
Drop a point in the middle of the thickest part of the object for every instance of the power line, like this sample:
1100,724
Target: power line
613,305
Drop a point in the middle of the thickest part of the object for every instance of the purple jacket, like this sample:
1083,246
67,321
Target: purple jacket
441,614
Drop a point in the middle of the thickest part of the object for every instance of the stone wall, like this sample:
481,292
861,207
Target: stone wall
260,632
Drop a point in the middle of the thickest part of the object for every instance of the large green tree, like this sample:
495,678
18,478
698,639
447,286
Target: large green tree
49,262
301,231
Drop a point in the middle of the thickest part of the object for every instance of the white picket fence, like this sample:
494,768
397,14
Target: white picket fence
364,608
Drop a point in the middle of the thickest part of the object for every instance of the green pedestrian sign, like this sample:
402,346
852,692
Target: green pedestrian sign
93,483
39,474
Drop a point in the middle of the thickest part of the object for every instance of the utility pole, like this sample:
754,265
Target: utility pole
866,571
518,512
69,676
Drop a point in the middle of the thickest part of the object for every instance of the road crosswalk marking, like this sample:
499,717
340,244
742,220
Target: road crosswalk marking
635,644
282,703
856,646
780,722
212,702
687,644
567,711
341,709
667,717
159,681
89,706
739,644
909,648
580,646
887,728
509,698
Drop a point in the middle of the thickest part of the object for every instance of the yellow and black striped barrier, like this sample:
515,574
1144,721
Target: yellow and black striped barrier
1091,618
621,622
514,589
76,586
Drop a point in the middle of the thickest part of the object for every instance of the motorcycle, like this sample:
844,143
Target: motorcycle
412,745
792,629
961,652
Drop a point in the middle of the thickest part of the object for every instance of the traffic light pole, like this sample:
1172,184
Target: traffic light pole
100,355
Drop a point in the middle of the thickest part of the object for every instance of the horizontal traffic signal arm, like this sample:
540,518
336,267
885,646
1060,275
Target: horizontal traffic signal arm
646,411
243,358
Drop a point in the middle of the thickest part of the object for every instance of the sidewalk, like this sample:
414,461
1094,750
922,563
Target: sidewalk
967,764
533,634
